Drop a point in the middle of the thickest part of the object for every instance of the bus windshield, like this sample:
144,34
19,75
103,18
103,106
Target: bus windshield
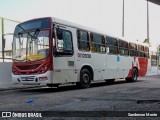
31,46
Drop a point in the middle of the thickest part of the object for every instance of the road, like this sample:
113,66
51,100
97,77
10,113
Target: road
143,95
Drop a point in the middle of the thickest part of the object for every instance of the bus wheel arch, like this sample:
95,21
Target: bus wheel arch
134,75
90,70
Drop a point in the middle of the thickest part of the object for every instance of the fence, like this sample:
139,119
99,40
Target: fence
6,26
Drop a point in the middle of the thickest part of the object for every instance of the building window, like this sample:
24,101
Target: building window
83,40
133,49
112,45
97,43
123,48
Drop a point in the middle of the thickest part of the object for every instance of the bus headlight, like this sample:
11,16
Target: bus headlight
14,71
44,68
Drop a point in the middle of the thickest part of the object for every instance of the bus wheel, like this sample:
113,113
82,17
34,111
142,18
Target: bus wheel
134,76
85,79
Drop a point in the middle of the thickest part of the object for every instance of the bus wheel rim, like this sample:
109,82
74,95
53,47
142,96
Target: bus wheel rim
85,78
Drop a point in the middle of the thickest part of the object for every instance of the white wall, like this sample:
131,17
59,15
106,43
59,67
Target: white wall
5,72
0,37
153,71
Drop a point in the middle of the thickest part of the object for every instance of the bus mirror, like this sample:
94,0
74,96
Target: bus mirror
60,45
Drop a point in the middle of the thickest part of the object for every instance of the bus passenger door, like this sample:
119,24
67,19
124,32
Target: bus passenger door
63,61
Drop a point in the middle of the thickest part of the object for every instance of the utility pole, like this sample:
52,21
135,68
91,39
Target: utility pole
148,22
2,24
123,20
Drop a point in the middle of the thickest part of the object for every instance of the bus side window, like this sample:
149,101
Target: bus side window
97,43
123,48
133,49
83,40
146,49
112,45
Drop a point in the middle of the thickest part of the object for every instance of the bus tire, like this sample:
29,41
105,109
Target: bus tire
85,79
134,76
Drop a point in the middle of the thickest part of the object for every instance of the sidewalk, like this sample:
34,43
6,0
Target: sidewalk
4,87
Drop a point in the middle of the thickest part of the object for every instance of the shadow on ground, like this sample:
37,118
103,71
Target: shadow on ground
74,87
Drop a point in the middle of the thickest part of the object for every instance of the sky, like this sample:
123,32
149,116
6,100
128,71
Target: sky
103,15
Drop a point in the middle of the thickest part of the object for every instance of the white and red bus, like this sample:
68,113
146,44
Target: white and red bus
52,51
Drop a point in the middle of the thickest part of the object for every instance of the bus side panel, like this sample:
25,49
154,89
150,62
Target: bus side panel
95,60
112,66
123,66
99,63
141,64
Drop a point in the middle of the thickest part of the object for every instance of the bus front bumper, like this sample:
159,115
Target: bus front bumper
39,79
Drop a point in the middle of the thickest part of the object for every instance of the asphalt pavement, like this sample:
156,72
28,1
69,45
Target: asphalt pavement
4,87
88,104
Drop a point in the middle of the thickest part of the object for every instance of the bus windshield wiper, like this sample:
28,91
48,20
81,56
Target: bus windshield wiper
35,33
34,36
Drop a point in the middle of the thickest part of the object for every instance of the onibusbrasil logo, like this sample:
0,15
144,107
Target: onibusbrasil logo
21,114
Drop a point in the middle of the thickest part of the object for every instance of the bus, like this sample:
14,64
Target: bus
50,51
